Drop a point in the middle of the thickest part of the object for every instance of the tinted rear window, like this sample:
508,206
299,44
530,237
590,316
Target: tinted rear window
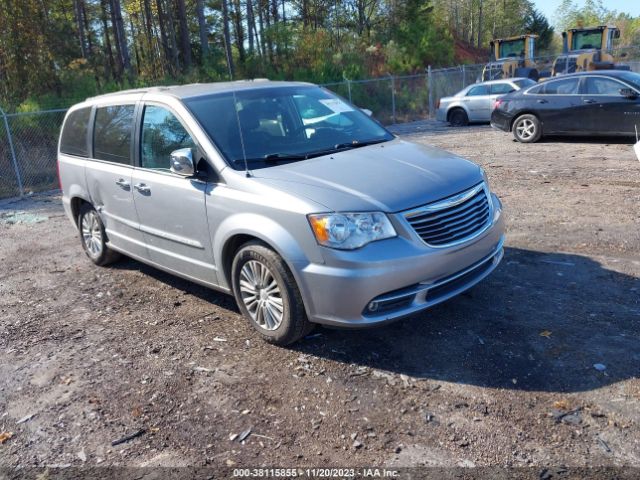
73,140
524,83
112,133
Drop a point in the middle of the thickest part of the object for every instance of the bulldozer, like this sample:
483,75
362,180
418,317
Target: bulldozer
585,49
512,57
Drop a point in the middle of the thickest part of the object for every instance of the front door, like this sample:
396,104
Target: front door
171,208
108,177
606,109
558,104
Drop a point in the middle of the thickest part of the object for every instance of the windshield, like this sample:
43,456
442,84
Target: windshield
282,124
512,48
586,40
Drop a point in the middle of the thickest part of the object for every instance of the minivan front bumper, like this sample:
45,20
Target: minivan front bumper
391,279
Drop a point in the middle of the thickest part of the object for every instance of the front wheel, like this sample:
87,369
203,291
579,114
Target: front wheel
458,118
93,237
268,295
527,128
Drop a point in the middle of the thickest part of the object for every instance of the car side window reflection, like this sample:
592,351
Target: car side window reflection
477,91
566,86
162,133
602,86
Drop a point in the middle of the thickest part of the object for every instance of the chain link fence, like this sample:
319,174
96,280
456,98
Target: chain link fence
28,146
28,141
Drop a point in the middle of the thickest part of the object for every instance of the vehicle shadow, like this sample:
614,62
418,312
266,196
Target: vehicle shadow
540,322
203,293
589,140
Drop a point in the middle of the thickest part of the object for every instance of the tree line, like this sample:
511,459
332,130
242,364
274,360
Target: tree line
64,50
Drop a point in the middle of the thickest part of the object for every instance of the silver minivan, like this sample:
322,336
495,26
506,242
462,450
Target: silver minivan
283,194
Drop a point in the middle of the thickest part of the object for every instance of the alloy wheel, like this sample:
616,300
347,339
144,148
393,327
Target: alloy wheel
261,295
526,129
92,234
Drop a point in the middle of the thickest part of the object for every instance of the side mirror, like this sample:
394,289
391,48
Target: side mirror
628,93
367,111
182,162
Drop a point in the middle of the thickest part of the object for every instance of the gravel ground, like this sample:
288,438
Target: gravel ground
500,376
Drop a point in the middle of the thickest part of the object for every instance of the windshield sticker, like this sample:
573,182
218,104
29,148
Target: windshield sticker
336,105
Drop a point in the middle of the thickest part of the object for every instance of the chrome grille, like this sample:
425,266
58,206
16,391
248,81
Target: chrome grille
454,219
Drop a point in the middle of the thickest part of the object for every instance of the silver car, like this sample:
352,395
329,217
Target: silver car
281,194
475,102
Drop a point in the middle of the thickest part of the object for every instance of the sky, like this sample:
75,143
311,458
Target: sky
548,7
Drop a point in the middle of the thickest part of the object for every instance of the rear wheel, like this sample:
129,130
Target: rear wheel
458,118
268,296
527,128
93,237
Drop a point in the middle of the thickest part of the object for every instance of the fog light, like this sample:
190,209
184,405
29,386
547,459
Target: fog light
373,306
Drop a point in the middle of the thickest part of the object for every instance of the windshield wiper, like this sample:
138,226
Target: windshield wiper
345,146
357,144
292,157
274,157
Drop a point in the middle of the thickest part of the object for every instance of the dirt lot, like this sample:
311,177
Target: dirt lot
501,376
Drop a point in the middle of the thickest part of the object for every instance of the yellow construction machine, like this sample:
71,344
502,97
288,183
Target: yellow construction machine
512,57
585,49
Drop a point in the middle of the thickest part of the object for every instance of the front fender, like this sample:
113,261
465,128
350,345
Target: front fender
262,228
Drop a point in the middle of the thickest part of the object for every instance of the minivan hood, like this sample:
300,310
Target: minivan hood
390,177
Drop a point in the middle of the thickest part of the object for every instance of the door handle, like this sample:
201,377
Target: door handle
543,101
142,188
123,183
589,100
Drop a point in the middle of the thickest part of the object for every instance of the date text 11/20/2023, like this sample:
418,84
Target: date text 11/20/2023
314,473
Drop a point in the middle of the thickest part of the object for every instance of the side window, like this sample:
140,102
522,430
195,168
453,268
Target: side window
112,133
535,90
162,133
479,90
501,88
566,86
602,86
73,140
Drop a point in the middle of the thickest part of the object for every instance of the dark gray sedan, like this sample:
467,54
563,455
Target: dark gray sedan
605,102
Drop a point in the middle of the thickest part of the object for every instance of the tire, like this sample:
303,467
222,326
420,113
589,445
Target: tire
93,237
527,128
259,267
458,118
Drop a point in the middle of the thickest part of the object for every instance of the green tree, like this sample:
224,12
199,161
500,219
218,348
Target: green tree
537,23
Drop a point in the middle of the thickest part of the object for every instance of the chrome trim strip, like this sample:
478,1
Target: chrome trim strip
152,231
450,202
425,287
446,203
172,237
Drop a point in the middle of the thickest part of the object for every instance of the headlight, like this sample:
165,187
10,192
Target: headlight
347,231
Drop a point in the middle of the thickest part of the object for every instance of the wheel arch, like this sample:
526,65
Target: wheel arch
455,107
233,233
75,203
519,114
